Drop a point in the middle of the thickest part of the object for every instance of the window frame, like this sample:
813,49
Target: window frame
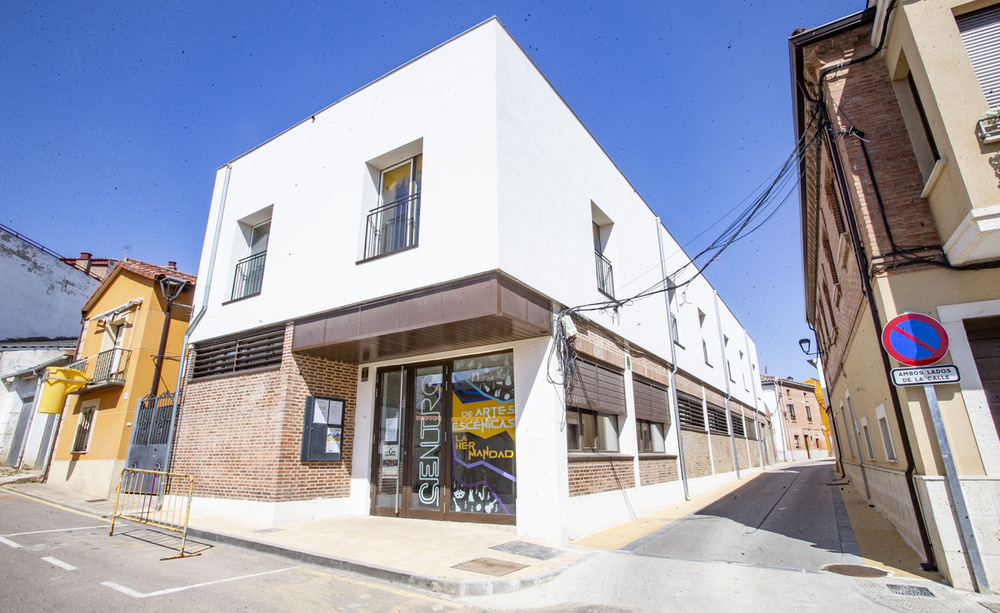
644,426
374,243
85,426
594,416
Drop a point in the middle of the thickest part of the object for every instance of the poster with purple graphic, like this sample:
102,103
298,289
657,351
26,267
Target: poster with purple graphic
482,425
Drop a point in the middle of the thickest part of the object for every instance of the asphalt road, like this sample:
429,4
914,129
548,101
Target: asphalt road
54,559
784,518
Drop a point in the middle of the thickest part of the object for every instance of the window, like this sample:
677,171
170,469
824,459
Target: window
883,426
868,438
85,426
602,225
690,411
725,352
652,412
248,277
915,118
791,411
809,413
250,352
704,350
796,437
591,430
847,434
595,397
738,426
671,306
395,223
651,436
980,31
751,428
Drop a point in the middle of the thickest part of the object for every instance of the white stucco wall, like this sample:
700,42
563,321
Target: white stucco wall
49,293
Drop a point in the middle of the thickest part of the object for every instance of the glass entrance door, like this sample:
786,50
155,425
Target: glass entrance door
387,485
444,441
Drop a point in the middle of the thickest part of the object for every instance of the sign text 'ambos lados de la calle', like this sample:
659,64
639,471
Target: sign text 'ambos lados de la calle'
927,375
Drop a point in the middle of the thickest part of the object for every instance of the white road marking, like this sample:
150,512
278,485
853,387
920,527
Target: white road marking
59,563
135,594
56,530
9,543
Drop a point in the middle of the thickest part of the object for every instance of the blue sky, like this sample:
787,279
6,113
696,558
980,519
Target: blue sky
115,116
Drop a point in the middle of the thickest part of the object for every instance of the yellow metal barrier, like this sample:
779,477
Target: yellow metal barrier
154,498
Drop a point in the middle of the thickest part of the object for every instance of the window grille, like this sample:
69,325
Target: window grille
738,426
250,352
717,420
690,411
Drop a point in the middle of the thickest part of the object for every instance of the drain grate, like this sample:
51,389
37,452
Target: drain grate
490,566
909,590
530,550
855,570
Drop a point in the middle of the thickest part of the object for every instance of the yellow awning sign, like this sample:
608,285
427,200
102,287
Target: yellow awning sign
59,382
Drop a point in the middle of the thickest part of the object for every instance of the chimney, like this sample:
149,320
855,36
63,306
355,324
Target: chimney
172,265
84,261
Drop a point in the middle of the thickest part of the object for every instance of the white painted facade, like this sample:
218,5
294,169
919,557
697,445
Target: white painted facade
512,182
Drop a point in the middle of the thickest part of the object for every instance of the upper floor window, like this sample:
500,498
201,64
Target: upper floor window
980,32
809,413
602,225
791,411
394,223
249,275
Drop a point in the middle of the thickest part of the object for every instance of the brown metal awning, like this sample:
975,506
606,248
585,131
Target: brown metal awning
481,310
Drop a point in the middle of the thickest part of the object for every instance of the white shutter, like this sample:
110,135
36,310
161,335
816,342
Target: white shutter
981,34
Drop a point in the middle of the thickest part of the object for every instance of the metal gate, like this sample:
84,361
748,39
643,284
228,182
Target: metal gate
151,433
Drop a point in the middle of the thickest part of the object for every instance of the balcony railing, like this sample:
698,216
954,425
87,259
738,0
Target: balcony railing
105,369
392,226
605,276
249,276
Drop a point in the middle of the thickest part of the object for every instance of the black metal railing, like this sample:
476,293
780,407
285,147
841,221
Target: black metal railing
392,226
249,276
110,366
605,275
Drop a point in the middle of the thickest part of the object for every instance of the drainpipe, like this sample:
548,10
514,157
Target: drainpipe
197,318
729,393
673,365
756,407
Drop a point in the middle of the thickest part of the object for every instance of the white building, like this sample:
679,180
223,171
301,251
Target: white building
377,328
39,323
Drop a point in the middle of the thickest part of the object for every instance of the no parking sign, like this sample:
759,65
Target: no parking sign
915,339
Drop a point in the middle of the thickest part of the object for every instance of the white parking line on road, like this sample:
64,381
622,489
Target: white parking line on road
56,530
59,563
136,594
9,543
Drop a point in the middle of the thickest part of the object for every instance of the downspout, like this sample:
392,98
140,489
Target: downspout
673,365
182,366
729,393
58,428
756,407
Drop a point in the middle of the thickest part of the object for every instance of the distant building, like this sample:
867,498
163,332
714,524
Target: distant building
385,322
96,267
900,107
797,418
123,328
40,299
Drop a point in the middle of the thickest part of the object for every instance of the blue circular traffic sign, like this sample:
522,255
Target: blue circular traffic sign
915,339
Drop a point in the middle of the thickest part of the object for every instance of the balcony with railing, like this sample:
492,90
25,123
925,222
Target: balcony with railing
249,276
605,275
106,369
392,227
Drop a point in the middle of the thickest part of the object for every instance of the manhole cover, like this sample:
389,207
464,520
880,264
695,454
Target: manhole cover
490,566
909,590
530,550
855,570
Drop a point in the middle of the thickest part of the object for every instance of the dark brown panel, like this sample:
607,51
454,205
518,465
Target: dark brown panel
457,315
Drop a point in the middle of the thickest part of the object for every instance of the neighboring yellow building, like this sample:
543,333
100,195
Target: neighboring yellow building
123,329
822,409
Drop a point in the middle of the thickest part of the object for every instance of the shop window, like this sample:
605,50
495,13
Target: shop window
85,426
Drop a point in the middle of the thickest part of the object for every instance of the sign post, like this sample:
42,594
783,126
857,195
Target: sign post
919,341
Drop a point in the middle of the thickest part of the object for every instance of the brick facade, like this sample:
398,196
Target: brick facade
596,476
722,453
240,436
658,470
697,459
